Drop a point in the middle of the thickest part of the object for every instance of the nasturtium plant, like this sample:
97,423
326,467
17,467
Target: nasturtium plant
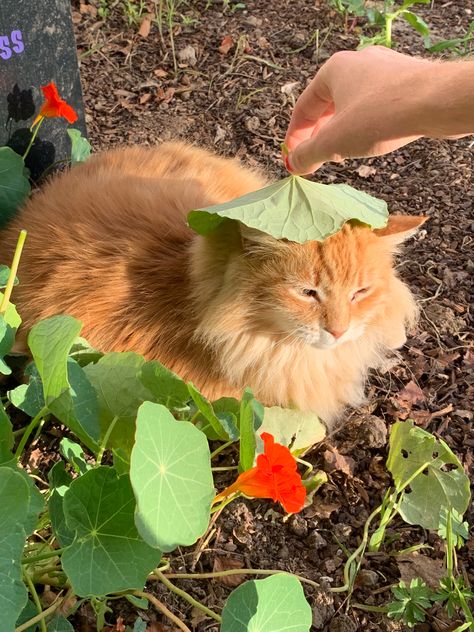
295,209
80,146
171,477
439,483
293,428
276,603
14,184
9,323
107,554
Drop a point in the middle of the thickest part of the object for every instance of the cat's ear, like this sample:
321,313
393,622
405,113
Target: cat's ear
253,239
400,227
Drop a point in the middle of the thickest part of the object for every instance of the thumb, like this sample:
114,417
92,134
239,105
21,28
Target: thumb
311,154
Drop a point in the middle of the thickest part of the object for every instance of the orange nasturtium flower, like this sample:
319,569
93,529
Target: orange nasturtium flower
274,476
54,106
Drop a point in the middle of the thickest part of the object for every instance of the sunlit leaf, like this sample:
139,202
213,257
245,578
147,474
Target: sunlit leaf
251,417
80,146
295,209
275,604
171,477
293,428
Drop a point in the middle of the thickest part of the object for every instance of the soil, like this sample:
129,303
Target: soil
238,103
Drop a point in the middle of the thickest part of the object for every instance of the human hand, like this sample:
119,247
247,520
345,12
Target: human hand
360,103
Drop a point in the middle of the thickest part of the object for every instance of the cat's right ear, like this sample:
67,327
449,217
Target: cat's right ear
256,240
399,228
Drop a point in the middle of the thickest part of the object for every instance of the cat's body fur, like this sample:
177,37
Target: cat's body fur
108,244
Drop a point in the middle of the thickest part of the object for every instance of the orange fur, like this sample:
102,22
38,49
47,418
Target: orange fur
108,244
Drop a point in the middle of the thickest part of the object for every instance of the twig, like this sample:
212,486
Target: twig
159,606
187,597
237,571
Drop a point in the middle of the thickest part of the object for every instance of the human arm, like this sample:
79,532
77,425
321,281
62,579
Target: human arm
373,101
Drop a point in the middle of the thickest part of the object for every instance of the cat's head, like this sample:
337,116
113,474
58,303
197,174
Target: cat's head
325,293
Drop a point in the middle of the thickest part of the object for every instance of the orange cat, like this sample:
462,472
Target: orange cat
300,324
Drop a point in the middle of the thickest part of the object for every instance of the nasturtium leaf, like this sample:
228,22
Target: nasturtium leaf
275,604
116,379
167,387
80,146
14,185
222,424
29,397
296,209
35,505
107,555
28,612
6,436
78,407
251,417
9,323
14,508
441,485
50,341
293,428
74,455
418,24
4,275
171,476
139,625
83,353
59,481
59,624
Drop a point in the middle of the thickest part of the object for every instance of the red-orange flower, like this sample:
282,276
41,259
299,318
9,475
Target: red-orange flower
275,476
54,106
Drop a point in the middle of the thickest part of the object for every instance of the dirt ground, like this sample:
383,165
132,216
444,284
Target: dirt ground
238,103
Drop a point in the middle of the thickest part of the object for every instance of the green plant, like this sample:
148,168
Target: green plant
133,11
411,602
384,19
460,46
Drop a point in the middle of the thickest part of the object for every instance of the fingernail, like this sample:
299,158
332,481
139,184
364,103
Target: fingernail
288,166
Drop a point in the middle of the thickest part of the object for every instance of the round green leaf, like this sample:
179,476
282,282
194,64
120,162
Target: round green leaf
171,476
14,185
80,146
107,555
442,484
295,209
275,604
293,428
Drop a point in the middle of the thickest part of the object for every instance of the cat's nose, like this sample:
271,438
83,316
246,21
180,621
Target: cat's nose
337,333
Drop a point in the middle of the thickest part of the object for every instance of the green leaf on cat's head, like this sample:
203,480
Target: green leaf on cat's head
295,209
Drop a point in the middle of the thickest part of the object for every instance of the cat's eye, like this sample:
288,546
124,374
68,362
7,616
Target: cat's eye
358,294
310,293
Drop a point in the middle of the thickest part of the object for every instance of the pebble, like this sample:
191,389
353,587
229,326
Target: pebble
298,526
367,577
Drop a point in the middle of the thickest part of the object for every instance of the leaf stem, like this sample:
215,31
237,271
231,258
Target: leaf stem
161,607
44,614
36,600
43,556
13,270
33,137
237,571
221,448
105,440
29,429
187,597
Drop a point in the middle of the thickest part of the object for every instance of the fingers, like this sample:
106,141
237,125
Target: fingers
309,155
314,102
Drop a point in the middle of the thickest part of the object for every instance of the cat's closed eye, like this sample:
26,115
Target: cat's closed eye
359,294
310,293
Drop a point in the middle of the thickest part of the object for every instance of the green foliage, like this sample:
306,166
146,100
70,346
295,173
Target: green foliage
80,146
459,528
293,428
9,323
460,46
276,603
4,275
440,482
296,209
14,184
411,602
171,477
99,507
251,417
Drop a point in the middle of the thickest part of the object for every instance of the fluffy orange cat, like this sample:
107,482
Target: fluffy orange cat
300,324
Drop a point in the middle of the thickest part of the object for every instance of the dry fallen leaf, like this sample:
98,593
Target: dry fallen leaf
226,45
225,564
145,98
145,26
414,565
365,171
289,88
336,461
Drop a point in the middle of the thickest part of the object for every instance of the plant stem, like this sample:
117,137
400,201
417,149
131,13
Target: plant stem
29,429
13,270
225,469
236,571
44,614
105,440
33,136
36,600
162,608
187,597
221,448
388,31
225,502
43,556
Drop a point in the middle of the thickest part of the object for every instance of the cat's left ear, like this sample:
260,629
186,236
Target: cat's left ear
400,227
256,240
